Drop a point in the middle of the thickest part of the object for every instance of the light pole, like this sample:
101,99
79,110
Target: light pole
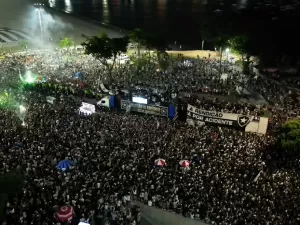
40,20
39,8
227,53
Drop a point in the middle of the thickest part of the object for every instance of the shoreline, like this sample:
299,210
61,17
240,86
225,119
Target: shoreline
47,27
86,19
113,27
74,27
78,16
21,15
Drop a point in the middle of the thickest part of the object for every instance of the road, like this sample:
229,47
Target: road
21,15
145,222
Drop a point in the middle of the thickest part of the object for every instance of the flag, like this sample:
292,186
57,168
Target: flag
220,130
257,176
175,117
128,107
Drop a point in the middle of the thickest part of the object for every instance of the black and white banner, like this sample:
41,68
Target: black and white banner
217,118
103,88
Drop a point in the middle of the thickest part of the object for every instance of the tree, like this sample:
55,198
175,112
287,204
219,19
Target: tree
220,43
145,61
141,66
105,49
23,44
155,42
3,201
138,37
10,184
289,140
216,31
243,46
1,48
163,60
66,43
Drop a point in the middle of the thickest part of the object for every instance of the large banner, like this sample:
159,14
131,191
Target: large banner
254,124
143,108
217,118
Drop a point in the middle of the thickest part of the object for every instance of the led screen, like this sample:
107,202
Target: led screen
140,100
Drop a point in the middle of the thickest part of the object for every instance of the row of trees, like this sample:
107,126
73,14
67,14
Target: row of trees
107,49
231,31
224,36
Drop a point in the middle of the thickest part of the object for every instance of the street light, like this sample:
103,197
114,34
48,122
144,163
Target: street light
227,52
39,7
22,109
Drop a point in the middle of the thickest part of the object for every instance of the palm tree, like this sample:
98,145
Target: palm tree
137,36
221,43
66,43
24,45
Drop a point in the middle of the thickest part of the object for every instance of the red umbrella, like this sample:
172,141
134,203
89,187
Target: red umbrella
184,163
160,162
65,214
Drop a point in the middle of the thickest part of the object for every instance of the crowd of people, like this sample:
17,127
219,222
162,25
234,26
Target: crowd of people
231,179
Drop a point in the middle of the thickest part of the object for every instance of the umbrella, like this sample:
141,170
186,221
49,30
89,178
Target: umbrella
64,164
160,162
184,163
78,75
65,214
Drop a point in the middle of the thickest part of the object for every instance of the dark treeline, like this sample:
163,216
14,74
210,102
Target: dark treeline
274,37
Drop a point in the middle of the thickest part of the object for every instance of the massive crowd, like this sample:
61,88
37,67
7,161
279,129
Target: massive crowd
231,179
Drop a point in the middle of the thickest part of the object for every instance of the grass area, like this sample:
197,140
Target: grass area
185,54
174,54
12,49
194,54
189,54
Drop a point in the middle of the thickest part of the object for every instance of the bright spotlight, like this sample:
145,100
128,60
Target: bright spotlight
22,109
38,5
29,77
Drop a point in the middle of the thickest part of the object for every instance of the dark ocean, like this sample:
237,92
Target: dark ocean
178,20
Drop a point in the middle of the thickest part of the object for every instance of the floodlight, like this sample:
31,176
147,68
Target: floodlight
22,109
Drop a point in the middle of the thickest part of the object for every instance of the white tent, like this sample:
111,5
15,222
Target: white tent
87,108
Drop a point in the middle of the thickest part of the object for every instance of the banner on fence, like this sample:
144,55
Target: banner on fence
254,124
218,118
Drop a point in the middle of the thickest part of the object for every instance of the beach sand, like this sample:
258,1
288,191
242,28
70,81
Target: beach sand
22,16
